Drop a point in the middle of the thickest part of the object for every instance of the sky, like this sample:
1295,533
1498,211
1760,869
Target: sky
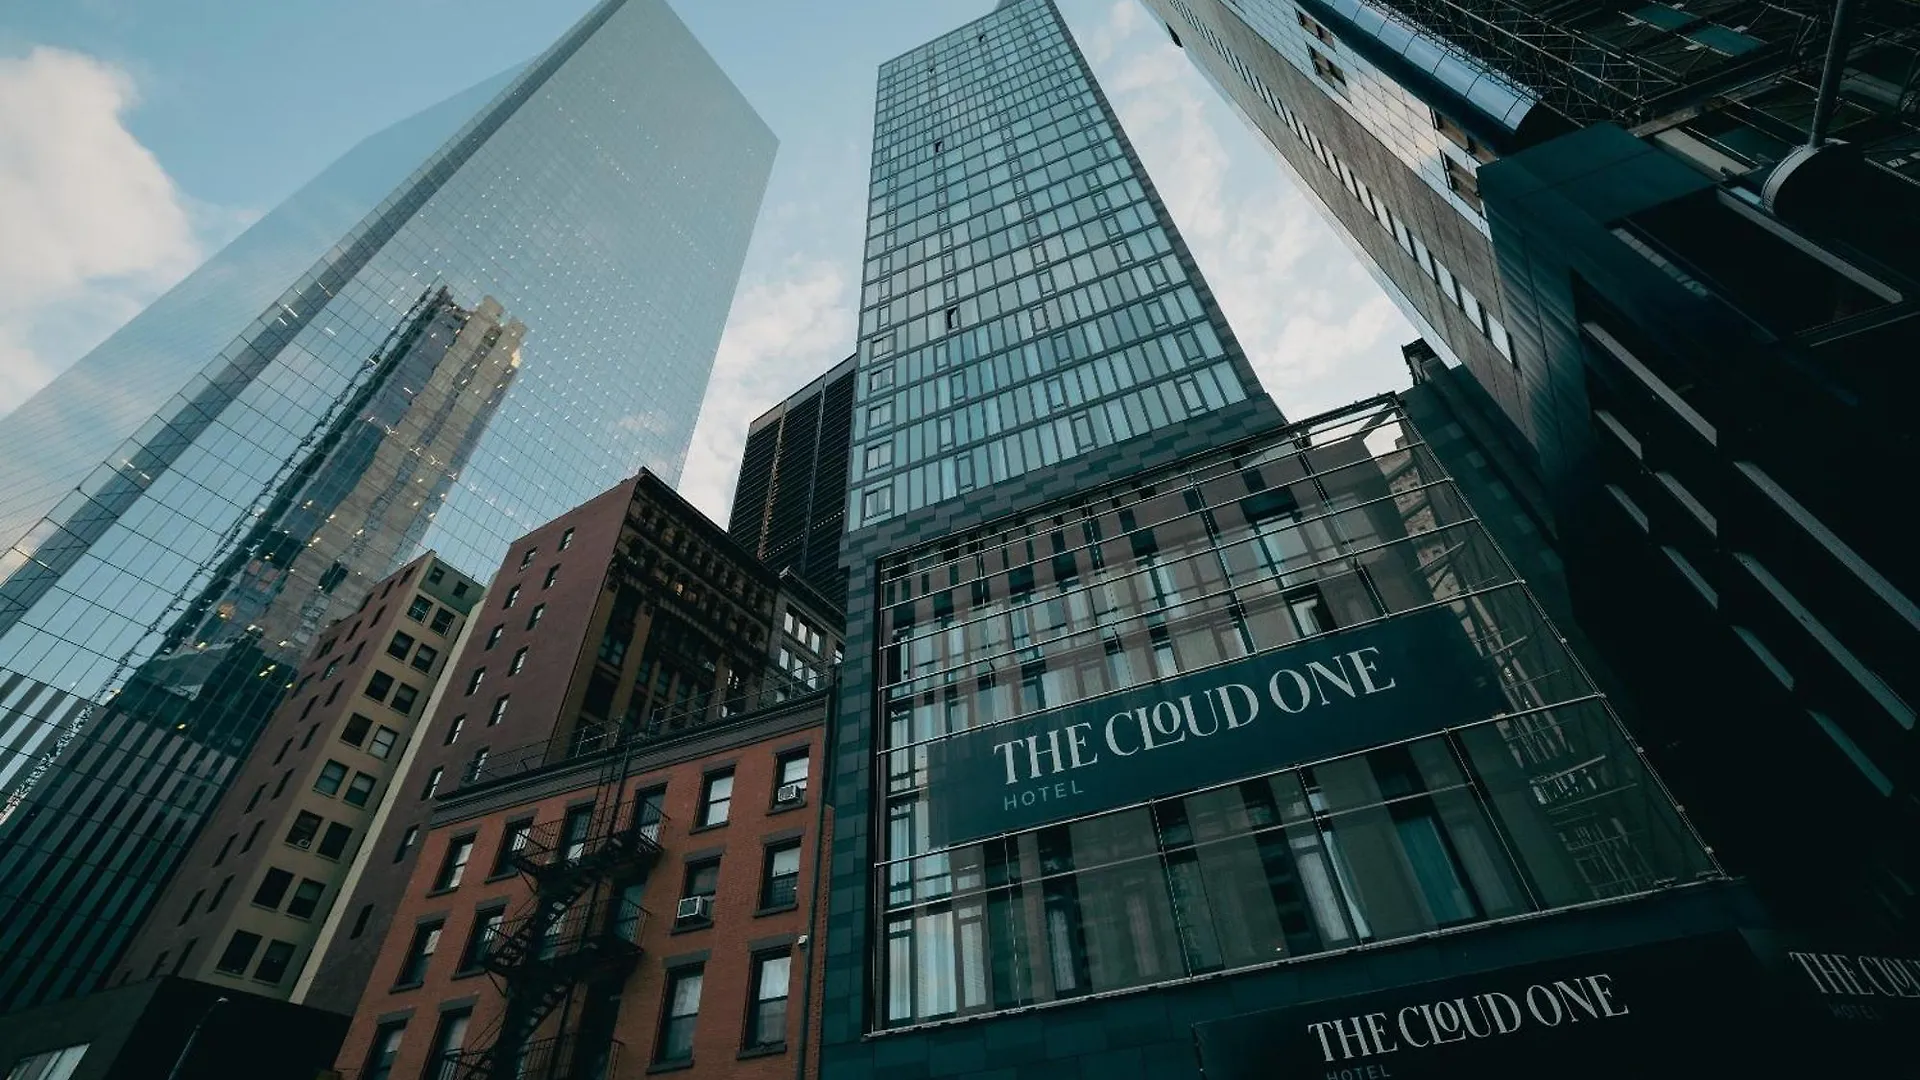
139,136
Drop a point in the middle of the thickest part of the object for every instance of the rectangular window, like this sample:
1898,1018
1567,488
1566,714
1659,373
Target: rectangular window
566,540
417,611
332,775
379,686
253,835
1462,182
383,742
453,730
513,596
478,676
306,898
333,843
58,1064
533,617
385,1048
880,415
767,1011
499,712
878,501
696,898
306,826
400,646
442,622
519,661
426,938
879,455
716,800
406,842
355,732
511,843
526,557
433,782
239,952
553,574
273,888
423,658
359,790
454,867
274,962
444,1062
486,929
780,884
1328,70
493,635
682,1006
880,378
403,698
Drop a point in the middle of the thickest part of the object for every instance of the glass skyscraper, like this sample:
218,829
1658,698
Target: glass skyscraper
496,310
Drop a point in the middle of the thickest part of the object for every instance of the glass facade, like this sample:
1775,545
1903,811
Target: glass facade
497,310
1345,521
1026,299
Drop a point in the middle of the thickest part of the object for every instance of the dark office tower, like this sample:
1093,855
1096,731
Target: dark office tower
468,324
790,502
1690,232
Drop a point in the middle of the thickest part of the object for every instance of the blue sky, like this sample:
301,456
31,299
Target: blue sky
137,136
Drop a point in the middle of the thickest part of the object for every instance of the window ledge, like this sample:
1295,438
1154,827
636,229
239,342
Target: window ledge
786,808
669,1066
442,892
706,828
691,926
777,910
500,875
468,973
414,985
768,1050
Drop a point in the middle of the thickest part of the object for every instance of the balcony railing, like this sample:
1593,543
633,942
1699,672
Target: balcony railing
630,832
582,938
567,1057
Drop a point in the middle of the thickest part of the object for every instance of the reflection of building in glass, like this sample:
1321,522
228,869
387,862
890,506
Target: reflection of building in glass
238,464
1676,243
789,502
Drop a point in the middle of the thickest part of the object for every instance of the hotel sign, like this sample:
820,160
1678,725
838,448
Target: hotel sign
1338,693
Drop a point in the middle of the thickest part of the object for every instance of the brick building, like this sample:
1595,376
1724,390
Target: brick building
646,906
630,617
256,887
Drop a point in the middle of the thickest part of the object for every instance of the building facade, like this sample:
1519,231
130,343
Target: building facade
789,502
1693,225
431,346
648,908
265,873
632,615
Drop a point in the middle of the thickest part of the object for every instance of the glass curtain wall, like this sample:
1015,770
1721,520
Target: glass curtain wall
1329,525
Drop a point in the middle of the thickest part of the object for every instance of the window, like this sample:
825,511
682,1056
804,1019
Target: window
386,1047
448,1037
717,799
192,906
240,949
58,1064
1328,70
251,837
220,893
574,829
332,775
780,886
379,686
406,842
566,540
499,712
442,622
306,898
306,826
417,611
356,730
793,772
474,680
423,658
767,1011
359,790
683,1005
273,962
486,928
703,880
513,595
454,867
476,766
334,843
493,635
281,787
361,920
281,755
273,887
436,575
880,415
1462,181
878,501
400,646
403,698
526,557
453,730
433,782
312,730
426,938
880,378
1458,135
879,455
384,739
254,799
511,841
553,574
1312,26
227,845
519,661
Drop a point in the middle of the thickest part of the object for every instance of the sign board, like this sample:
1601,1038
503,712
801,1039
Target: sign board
1334,694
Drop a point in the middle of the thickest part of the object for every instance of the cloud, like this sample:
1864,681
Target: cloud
91,220
792,319
1316,328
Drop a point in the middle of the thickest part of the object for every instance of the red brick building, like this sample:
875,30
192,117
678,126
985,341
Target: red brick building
649,907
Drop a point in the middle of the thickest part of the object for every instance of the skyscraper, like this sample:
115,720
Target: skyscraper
789,502
1674,242
496,309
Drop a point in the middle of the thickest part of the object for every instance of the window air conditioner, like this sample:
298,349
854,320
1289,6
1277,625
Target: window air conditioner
789,793
303,843
694,907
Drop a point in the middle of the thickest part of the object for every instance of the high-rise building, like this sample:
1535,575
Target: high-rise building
470,323
1674,242
789,502
630,618
253,892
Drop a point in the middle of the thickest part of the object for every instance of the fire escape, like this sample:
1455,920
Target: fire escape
580,930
